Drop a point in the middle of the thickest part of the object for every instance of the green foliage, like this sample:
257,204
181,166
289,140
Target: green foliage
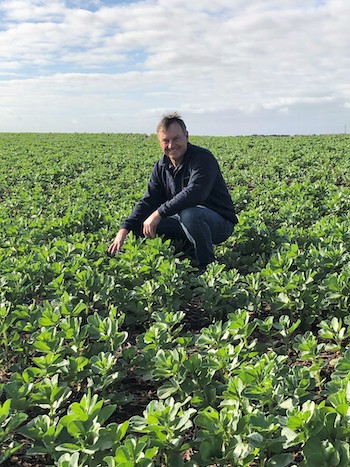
10,420
134,360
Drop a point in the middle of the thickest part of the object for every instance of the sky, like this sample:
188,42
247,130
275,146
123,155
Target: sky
229,67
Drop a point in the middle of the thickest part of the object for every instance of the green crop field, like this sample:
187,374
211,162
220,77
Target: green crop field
135,361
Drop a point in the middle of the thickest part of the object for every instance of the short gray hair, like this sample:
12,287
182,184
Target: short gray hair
169,119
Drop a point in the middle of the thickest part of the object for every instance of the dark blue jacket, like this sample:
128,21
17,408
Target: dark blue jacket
197,181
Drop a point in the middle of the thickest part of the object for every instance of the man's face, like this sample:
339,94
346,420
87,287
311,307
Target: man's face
173,142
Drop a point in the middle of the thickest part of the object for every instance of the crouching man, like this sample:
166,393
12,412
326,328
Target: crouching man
186,199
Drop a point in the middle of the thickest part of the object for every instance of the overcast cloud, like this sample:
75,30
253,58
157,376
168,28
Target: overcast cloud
230,67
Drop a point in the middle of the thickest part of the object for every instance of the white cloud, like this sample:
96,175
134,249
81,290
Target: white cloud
22,10
223,58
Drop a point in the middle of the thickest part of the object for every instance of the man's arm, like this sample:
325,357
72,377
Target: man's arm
148,204
150,224
145,209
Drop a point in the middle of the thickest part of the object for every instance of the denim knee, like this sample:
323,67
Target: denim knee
189,215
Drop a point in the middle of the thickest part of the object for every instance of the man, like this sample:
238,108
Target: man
186,199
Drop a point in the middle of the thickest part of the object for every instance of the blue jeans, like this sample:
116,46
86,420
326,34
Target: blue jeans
201,226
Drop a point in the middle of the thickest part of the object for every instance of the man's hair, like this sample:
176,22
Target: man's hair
170,118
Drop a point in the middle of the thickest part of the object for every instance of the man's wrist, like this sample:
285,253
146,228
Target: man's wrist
160,213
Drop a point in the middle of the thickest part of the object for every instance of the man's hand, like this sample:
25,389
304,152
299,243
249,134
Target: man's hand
150,225
118,242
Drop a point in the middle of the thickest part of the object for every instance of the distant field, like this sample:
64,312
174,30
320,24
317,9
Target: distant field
132,360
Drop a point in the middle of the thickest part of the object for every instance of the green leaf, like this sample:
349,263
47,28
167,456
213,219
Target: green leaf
343,365
5,410
69,460
280,460
167,389
206,451
314,452
208,419
256,440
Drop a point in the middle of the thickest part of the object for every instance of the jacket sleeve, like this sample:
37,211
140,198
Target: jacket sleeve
203,172
154,196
